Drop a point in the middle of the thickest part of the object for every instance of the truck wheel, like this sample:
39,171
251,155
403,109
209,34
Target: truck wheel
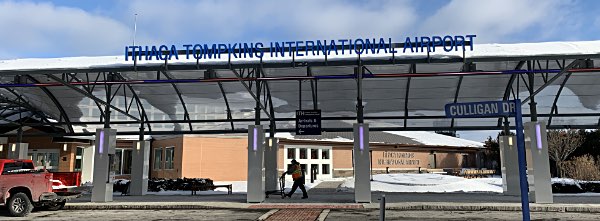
55,206
19,205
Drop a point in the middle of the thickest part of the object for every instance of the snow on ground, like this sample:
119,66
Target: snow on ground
428,183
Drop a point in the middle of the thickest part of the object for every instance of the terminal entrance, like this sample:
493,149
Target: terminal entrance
234,121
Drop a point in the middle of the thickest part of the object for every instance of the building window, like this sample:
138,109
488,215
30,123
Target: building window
116,167
291,153
127,157
325,154
169,157
303,153
157,158
325,169
314,153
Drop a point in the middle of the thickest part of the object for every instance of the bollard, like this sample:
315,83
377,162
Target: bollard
382,208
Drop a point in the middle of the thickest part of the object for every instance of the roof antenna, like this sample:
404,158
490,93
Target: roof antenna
134,34
134,27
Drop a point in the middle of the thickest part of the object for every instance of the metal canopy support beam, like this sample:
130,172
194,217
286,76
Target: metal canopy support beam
27,105
62,111
81,91
413,70
313,88
186,115
259,105
89,90
509,85
229,117
532,103
141,109
554,108
559,74
237,74
460,79
359,104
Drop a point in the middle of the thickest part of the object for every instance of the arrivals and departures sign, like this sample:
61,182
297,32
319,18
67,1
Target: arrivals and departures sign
481,109
308,122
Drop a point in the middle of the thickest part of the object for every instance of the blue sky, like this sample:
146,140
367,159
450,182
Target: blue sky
64,28
37,28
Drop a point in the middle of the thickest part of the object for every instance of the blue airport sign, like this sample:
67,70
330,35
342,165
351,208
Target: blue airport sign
481,109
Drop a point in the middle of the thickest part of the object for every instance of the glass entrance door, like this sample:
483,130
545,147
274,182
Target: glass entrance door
44,158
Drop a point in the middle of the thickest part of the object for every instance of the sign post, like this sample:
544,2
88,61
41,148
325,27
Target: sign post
308,122
497,109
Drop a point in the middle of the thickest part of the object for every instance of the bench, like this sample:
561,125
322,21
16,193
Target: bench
196,188
473,173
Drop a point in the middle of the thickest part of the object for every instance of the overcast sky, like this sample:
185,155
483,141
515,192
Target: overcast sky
62,28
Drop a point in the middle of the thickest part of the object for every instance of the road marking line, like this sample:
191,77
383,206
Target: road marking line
266,215
323,215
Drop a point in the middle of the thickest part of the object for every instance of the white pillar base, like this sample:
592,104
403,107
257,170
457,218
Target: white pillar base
271,174
509,158
538,163
140,165
103,158
256,170
362,164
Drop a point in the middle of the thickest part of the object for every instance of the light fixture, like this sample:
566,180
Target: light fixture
13,147
271,142
510,142
361,137
255,144
1,147
65,147
101,147
538,136
138,145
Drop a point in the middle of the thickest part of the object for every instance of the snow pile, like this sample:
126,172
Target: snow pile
434,139
427,183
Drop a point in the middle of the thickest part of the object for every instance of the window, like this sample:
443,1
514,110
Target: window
157,158
325,154
118,161
314,153
169,157
291,153
16,166
325,169
126,161
302,153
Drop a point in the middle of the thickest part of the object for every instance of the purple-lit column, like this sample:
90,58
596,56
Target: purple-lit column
256,167
104,151
538,163
362,164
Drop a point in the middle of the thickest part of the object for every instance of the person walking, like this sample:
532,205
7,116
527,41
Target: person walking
298,176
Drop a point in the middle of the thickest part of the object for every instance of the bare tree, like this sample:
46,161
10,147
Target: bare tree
561,143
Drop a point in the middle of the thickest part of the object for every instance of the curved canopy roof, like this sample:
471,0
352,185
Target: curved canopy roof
399,91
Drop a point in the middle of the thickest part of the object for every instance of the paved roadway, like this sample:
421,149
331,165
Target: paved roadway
340,215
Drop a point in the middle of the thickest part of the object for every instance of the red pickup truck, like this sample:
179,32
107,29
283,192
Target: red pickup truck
22,188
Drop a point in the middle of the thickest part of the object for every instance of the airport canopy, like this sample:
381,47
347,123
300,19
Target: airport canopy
402,91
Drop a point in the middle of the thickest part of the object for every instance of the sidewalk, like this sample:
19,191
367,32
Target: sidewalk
344,201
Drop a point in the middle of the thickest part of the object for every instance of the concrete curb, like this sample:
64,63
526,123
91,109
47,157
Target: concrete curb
578,208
